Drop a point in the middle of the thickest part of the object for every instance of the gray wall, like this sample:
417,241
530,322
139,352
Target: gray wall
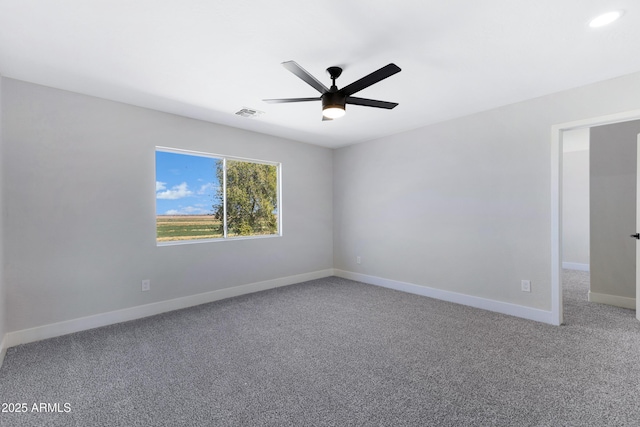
575,206
464,205
79,198
613,208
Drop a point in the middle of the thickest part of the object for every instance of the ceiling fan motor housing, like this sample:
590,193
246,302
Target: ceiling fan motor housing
333,100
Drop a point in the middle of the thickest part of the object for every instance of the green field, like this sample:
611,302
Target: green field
191,227
187,227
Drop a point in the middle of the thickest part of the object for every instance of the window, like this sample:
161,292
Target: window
203,196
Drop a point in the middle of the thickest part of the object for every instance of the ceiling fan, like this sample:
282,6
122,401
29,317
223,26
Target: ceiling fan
333,99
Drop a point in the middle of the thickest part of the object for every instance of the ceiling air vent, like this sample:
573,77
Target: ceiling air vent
249,112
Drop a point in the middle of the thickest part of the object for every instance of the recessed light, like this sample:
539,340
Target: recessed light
605,18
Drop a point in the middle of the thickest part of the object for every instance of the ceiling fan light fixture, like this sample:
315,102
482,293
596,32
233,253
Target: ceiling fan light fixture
333,111
333,104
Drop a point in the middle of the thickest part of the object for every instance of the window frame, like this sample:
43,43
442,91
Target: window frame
224,158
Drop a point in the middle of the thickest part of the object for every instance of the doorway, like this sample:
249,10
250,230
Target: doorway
558,132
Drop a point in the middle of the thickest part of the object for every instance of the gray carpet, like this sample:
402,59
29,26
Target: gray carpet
337,352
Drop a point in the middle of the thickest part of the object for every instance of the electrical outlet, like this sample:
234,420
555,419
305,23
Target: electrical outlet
526,285
358,260
146,285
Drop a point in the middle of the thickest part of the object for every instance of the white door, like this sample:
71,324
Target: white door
638,231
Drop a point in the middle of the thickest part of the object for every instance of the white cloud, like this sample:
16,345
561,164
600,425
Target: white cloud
191,210
160,186
188,210
176,192
206,187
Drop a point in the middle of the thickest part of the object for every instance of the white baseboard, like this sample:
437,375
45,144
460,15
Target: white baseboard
103,319
3,349
624,302
477,302
575,266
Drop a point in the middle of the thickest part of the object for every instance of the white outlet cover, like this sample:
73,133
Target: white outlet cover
526,285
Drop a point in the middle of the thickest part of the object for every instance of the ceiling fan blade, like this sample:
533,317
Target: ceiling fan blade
371,102
325,119
282,101
304,75
368,80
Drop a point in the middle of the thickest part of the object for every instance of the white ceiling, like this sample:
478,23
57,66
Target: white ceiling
207,59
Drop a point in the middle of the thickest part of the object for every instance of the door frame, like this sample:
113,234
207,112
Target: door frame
637,225
556,199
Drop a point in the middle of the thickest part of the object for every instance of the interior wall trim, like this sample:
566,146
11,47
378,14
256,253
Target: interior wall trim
615,300
104,319
3,349
440,294
575,266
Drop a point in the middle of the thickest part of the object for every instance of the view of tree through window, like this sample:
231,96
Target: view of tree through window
252,198
191,196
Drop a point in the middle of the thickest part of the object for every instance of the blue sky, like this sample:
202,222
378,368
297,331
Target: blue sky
185,184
